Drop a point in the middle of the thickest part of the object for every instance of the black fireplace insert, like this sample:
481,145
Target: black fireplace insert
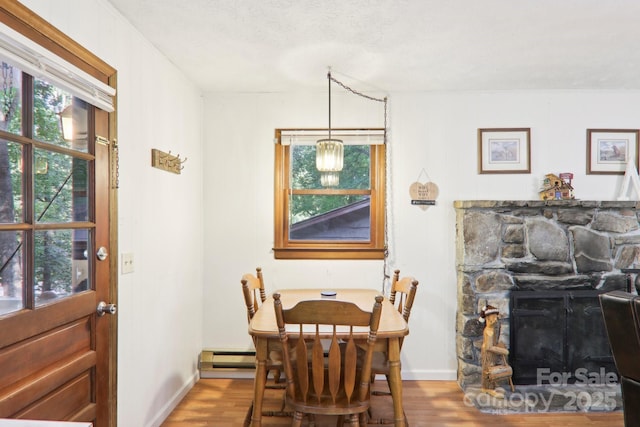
558,337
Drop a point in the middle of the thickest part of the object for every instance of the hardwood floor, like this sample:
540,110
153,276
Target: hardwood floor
224,403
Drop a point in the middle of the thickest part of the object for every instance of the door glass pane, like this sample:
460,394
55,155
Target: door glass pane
60,187
11,280
10,182
11,99
61,264
59,118
80,280
331,217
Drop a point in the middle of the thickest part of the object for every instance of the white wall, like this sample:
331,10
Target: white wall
436,132
160,213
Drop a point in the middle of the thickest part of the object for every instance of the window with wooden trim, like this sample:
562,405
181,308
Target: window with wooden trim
345,221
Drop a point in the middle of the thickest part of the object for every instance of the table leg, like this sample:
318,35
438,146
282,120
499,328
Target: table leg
260,380
395,381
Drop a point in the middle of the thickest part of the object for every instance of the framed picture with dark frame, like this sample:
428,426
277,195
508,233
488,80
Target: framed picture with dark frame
609,150
504,150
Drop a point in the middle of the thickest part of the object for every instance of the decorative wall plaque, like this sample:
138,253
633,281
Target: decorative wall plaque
423,194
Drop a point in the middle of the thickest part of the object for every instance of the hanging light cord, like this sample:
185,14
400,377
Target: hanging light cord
329,78
355,92
385,274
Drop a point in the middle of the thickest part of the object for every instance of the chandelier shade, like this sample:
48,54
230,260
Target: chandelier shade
329,155
329,179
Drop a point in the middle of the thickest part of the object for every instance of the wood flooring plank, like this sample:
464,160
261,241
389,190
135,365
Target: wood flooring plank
224,403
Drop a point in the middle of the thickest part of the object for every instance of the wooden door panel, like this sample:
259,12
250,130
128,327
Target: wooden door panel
36,354
63,402
21,394
88,412
29,323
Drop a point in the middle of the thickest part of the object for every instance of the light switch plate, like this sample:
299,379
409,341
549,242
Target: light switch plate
126,263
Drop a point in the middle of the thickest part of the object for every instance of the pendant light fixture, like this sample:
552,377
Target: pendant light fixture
329,154
329,179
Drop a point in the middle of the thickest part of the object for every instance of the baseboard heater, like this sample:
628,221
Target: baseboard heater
211,360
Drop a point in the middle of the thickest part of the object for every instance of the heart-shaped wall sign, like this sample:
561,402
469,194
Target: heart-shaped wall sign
427,192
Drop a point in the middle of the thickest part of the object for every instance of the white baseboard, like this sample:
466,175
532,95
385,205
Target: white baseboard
174,401
430,375
229,373
424,375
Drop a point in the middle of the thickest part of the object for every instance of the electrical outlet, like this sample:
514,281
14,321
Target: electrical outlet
126,263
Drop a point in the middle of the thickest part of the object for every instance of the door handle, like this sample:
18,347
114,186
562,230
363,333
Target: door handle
104,308
102,253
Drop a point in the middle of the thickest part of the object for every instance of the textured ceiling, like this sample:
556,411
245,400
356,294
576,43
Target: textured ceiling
396,45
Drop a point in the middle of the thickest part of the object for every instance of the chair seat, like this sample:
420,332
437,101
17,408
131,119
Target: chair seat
324,404
327,407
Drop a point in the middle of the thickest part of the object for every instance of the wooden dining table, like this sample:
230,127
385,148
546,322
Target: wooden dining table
392,328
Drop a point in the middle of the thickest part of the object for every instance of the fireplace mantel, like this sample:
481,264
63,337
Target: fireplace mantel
589,204
504,246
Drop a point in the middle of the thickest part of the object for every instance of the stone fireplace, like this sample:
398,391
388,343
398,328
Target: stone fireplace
543,265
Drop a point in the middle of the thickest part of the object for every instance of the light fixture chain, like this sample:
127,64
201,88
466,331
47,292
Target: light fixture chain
355,91
385,120
386,275
385,265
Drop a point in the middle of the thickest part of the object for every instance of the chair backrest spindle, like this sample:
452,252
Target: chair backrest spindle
253,291
334,379
404,291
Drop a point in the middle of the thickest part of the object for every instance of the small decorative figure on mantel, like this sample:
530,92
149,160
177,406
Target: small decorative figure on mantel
557,187
493,354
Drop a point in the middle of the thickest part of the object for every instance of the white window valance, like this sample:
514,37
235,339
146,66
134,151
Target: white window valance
30,57
348,136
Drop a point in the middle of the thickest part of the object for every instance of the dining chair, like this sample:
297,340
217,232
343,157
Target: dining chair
402,295
621,314
327,381
253,291
254,297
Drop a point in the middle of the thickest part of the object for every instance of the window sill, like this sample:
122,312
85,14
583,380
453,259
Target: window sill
315,253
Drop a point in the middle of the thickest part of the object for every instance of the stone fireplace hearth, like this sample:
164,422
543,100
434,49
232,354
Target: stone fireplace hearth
563,254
